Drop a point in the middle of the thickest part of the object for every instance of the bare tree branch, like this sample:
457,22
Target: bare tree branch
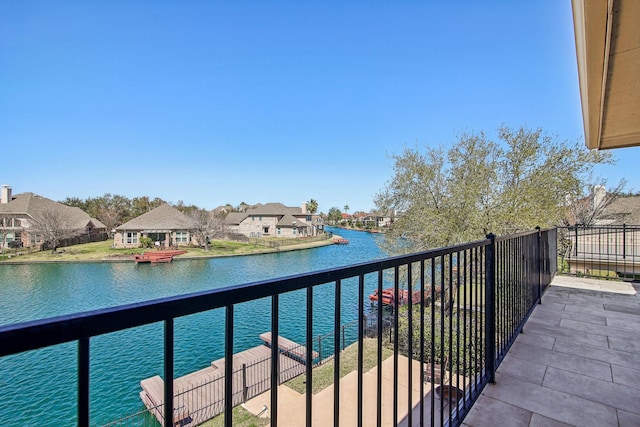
206,226
53,227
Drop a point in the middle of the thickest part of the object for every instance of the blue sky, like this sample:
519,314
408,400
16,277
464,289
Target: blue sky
227,102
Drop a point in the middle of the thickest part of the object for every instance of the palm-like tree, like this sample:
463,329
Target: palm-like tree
312,206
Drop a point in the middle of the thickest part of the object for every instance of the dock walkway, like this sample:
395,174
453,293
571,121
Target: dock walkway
289,348
199,396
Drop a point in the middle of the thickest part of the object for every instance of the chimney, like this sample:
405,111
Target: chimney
304,207
599,193
5,194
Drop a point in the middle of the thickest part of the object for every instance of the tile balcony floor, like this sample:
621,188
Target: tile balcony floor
577,361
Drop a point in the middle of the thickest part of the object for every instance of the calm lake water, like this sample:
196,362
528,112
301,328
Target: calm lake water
39,387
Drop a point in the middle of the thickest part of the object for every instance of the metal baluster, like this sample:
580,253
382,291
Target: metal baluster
275,359
168,372
83,381
228,367
336,356
309,358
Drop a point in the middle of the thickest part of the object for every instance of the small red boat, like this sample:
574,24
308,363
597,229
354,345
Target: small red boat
388,296
341,241
157,256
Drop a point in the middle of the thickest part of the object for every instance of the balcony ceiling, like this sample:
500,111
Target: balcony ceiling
607,34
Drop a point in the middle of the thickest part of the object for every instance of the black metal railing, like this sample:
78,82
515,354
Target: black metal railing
452,312
605,251
525,266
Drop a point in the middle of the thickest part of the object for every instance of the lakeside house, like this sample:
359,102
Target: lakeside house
28,218
368,220
165,225
275,220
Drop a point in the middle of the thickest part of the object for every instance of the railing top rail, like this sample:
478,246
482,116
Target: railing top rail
20,337
521,234
602,226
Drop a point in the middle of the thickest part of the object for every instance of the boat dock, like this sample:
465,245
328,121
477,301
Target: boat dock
199,396
162,256
289,348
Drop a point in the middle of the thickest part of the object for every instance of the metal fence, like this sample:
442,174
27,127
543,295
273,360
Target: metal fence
205,399
453,311
77,240
605,251
525,266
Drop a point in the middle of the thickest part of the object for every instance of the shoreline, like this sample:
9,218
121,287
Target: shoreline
130,258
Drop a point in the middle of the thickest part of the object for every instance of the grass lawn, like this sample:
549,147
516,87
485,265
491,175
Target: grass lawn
472,292
98,251
241,418
323,375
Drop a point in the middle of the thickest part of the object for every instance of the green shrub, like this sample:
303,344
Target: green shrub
146,242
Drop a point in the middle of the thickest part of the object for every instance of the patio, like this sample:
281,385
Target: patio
577,361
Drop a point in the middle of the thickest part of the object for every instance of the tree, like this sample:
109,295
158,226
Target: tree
141,205
346,208
4,229
312,206
185,209
480,186
334,216
205,226
53,227
75,202
112,210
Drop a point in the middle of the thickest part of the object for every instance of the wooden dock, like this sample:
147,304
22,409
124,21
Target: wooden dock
289,348
199,396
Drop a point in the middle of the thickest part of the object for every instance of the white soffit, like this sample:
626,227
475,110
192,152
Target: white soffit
607,34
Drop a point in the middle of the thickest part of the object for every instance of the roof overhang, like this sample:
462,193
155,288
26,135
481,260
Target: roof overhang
607,35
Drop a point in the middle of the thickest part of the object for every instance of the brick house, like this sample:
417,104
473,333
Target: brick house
20,215
165,225
275,220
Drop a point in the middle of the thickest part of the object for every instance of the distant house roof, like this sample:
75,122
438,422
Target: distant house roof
286,214
33,205
222,209
622,210
161,219
97,223
274,209
287,220
235,218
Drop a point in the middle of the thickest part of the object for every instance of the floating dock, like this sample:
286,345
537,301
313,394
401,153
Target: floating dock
157,256
199,396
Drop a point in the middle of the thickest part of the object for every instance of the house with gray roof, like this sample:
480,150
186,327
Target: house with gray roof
165,225
275,220
621,210
22,217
